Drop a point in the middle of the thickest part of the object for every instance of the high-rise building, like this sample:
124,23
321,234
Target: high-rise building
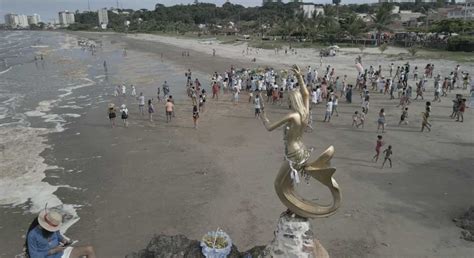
16,20
23,21
34,19
11,20
66,18
103,17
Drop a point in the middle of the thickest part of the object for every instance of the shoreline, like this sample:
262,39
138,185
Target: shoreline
169,178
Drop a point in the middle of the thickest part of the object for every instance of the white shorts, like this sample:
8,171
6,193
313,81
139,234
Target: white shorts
67,252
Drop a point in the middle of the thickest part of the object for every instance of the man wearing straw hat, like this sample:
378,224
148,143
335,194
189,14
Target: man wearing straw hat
45,241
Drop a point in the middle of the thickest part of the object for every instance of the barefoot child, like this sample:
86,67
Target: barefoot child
195,116
404,117
425,122
378,146
361,118
355,117
388,152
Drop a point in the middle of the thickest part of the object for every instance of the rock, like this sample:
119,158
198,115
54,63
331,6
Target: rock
294,237
178,246
466,222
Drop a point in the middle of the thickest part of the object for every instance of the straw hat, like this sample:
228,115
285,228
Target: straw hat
111,105
50,220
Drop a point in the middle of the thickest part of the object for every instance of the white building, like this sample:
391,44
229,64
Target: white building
409,1
34,19
23,21
462,12
103,17
16,20
311,10
11,20
66,18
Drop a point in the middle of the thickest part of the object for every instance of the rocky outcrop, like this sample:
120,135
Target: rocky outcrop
294,238
466,222
179,246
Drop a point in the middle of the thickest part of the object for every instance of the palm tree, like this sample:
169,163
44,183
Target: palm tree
353,25
383,18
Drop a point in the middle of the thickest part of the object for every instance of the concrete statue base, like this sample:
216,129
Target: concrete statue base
294,238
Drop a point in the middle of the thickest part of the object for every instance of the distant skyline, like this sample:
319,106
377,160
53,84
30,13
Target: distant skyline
48,9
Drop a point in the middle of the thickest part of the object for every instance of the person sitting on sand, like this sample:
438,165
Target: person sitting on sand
43,239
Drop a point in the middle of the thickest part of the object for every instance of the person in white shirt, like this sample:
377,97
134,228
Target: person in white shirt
134,91
314,97
141,103
381,84
124,90
319,94
124,114
329,106
258,105
236,95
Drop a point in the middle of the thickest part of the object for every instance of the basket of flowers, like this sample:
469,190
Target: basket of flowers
216,244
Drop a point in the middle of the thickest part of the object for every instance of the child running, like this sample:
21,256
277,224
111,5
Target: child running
195,116
425,123
355,118
378,146
388,153
404,117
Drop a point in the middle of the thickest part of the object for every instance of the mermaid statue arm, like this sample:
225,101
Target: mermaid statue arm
303,89
273,126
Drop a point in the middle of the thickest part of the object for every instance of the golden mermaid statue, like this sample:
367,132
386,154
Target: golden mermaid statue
297,156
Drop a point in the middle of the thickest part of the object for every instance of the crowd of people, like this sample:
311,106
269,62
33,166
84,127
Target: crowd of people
326,88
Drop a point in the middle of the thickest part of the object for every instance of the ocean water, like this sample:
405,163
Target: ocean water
37,98
40,97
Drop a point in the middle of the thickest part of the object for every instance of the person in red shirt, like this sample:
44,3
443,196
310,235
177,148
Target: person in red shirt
378,147
215,91
462,108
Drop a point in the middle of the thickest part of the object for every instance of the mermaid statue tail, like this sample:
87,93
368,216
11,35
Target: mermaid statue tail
320,170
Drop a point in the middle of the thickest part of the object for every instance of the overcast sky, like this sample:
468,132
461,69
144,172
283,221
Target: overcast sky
48,9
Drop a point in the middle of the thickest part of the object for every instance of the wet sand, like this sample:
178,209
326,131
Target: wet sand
155,177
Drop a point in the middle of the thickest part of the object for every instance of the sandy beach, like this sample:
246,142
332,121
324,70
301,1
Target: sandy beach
158,177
